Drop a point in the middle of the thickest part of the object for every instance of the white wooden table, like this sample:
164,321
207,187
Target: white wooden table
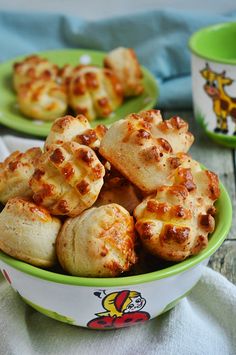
218,159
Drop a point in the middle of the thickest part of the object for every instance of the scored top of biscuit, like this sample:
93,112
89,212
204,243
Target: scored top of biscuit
141,145
67,179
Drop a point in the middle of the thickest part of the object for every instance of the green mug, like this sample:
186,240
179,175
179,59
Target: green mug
213,51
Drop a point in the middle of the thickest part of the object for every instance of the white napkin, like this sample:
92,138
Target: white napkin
204,323
9,144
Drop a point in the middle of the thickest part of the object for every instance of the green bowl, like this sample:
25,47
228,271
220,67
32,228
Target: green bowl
100,302
214,81
10,115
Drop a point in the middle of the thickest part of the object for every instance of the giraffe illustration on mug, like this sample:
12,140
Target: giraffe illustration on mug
224,105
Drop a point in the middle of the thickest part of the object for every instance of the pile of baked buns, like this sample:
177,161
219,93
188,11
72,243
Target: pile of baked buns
45,91
93,197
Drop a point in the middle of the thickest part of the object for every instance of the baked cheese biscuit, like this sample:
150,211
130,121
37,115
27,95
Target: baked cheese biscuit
33,68
94,92
175,222
67,179
124,63
69,128
15,172
98,243
28,232
141,148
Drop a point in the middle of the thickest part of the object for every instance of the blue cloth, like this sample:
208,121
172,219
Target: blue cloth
159,38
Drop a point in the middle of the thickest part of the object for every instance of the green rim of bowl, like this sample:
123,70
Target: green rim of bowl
215,43
12,118
220,138
223,225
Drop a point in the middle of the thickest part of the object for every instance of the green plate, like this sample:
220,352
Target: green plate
10,115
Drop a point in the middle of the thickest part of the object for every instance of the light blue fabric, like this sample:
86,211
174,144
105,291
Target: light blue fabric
159,37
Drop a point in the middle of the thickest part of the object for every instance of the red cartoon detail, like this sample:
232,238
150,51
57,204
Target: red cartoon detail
5,274
130,319
104,322
122,309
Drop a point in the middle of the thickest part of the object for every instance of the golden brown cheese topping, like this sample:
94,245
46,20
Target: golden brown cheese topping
77,129
33,68
175,223
94,92
15,172
139,150
98,243
67,179
42,99
124,62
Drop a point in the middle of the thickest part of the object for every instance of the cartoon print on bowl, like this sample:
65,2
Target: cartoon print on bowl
224,105
123,308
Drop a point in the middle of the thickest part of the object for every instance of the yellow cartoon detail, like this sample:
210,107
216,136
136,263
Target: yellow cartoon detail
118,303
224,106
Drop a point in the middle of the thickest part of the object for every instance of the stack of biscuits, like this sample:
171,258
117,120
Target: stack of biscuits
45,91
93,197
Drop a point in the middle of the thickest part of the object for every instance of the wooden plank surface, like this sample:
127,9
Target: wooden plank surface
224,260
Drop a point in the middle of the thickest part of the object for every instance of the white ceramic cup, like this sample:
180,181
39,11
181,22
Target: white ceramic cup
214,81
